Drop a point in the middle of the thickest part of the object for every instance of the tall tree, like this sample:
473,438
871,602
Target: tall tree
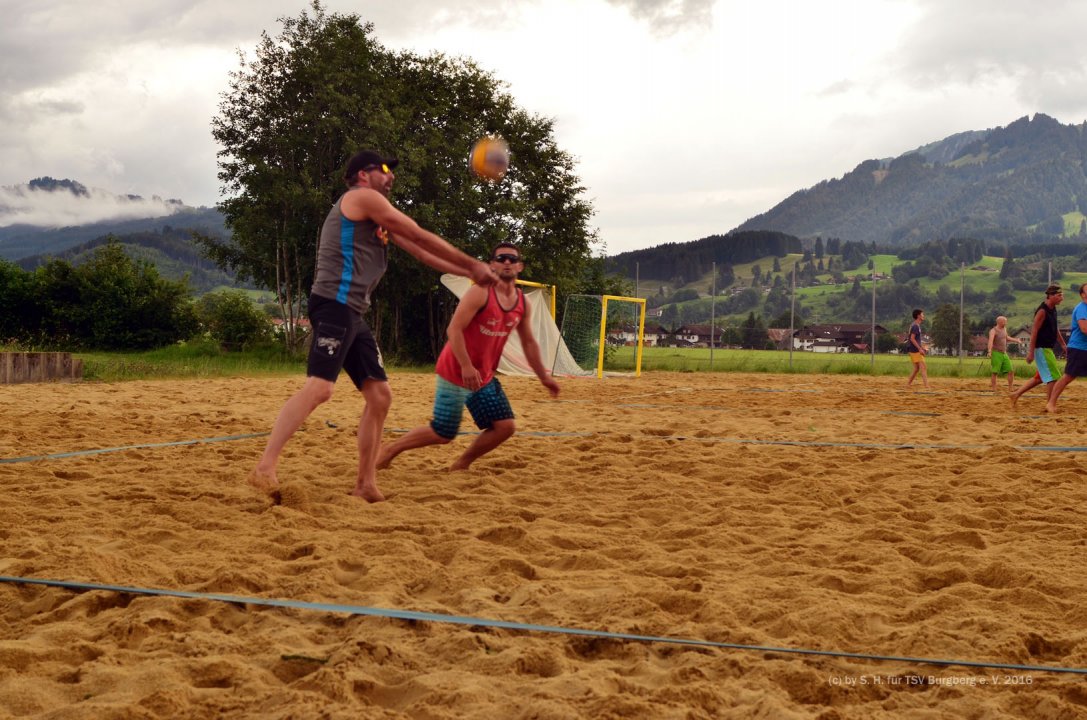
753,332
945,328
286,124
726,275
323,89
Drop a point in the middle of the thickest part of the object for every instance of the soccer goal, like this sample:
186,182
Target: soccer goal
605,333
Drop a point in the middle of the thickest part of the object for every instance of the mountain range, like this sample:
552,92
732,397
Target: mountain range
64,219
1029,177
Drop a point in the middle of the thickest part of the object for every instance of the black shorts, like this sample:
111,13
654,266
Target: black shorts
1077,363
342,340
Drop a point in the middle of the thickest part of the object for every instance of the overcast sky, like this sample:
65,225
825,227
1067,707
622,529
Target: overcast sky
686,117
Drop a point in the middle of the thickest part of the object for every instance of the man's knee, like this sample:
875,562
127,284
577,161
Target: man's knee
317,390
378,395
504,428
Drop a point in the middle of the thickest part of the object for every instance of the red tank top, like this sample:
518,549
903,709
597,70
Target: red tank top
484,337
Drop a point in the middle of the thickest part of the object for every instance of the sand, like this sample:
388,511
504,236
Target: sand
670,505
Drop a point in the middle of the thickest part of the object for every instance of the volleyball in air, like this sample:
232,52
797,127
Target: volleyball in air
490,158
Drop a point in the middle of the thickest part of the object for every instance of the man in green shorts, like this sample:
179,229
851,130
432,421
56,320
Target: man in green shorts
1044,336
998,353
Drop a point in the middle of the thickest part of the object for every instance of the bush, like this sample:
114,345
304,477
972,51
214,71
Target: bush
231,319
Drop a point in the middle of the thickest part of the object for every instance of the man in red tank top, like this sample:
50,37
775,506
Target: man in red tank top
466,367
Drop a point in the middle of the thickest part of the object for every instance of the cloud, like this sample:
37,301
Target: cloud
62,207
670,16
1037,49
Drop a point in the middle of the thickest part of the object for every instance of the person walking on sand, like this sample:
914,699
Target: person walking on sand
351,259
1076,365
1044,336
466,366
998,352
917,348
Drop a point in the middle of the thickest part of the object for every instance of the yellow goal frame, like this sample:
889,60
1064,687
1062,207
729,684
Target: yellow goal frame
553,290
604,330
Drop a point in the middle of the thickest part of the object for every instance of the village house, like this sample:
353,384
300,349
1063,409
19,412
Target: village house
698,335
834,337
653,335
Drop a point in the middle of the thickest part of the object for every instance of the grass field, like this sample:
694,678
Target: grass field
778,361
200,360
184,362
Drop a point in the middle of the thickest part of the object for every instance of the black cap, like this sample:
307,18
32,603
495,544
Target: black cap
365,159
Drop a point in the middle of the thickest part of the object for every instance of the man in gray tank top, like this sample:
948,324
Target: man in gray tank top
351,258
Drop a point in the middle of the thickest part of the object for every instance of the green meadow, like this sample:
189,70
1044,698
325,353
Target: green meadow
779,361
204,360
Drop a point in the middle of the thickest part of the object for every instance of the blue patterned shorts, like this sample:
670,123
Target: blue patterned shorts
487,405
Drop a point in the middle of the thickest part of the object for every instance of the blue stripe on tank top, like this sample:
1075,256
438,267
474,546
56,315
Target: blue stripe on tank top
347,248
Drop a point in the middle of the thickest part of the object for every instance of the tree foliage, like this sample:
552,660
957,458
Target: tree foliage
946,327
688,261
231,319
110,302
753,332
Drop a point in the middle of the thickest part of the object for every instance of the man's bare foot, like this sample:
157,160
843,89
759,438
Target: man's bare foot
459,465
369,493
264,481
1014,399
1051,409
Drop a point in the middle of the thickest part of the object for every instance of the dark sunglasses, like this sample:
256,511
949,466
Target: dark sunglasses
382,167
505,258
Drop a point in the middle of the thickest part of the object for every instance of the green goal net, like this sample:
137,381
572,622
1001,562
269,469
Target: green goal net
604,333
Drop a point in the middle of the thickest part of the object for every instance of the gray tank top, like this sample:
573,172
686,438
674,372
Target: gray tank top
351,259
1000,339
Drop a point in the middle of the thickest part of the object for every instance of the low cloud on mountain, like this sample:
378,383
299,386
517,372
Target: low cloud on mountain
52,204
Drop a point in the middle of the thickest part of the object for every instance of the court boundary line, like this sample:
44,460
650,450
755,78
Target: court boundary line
414,615
559,434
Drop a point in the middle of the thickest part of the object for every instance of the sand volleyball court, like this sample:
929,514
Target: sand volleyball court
761,510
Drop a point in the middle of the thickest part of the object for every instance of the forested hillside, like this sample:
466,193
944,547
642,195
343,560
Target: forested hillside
683,262
20,241
171,250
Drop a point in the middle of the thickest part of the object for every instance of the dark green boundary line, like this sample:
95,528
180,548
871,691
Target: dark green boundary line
77,453
543,434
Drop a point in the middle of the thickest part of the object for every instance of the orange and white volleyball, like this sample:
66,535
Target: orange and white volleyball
490,158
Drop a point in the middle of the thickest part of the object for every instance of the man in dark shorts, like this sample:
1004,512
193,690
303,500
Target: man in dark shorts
351,259
1044,336
1077,351
466,367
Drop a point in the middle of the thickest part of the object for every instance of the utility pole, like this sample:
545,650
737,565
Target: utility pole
962,290
713,313
792,314
872,339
